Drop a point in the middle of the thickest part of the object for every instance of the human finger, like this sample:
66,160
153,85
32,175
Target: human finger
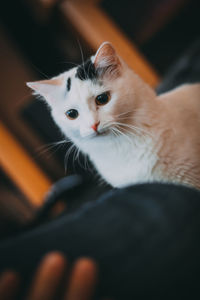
9,284
82,281
48,277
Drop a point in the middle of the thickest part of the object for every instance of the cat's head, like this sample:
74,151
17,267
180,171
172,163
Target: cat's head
87,100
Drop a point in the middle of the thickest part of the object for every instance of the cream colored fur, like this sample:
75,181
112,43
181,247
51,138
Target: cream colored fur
158,138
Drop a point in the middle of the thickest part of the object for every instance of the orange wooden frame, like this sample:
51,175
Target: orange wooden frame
21,168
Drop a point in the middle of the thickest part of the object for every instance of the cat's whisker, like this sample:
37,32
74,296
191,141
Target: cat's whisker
85,161
82,58
69,151
48,147
135,131
134,128
75,156
128,132
51,144
58,147
38,70
85,164
78,159
123,134
134,134
116,135
114,132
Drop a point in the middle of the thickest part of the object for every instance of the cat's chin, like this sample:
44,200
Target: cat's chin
103,133
97,135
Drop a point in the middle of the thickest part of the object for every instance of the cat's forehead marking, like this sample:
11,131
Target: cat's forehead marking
68,84
86,71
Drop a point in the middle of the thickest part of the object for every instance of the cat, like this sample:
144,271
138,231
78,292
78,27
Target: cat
130,134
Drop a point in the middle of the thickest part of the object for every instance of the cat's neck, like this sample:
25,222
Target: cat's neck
113,156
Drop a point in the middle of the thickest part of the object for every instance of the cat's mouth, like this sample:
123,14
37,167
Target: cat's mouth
98,134
103,133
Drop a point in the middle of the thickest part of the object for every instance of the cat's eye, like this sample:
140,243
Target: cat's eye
72,114
103,98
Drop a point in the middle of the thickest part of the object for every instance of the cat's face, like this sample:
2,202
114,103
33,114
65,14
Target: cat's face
86,101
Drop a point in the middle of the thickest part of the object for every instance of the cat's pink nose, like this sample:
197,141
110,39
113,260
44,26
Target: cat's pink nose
95,126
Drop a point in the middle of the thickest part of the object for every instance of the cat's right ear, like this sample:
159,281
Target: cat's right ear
46,88
106,61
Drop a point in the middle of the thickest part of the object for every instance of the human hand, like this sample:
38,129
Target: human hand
50,278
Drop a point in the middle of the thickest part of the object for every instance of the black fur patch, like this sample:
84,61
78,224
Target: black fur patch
86,71
68,84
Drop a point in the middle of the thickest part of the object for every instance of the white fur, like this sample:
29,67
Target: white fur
121,161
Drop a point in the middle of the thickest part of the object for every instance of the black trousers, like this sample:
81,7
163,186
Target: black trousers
145,238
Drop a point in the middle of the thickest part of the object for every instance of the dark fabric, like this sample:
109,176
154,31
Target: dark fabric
146,239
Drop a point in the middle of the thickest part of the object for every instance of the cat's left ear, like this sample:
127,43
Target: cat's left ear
106,61
46,88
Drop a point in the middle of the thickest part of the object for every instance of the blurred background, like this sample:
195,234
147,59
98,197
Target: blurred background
41,38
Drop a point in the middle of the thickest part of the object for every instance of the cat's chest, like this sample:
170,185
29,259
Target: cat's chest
123,162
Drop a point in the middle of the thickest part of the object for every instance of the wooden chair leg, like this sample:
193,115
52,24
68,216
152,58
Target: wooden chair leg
21,168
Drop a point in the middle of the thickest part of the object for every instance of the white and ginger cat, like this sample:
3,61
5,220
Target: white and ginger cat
129,133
